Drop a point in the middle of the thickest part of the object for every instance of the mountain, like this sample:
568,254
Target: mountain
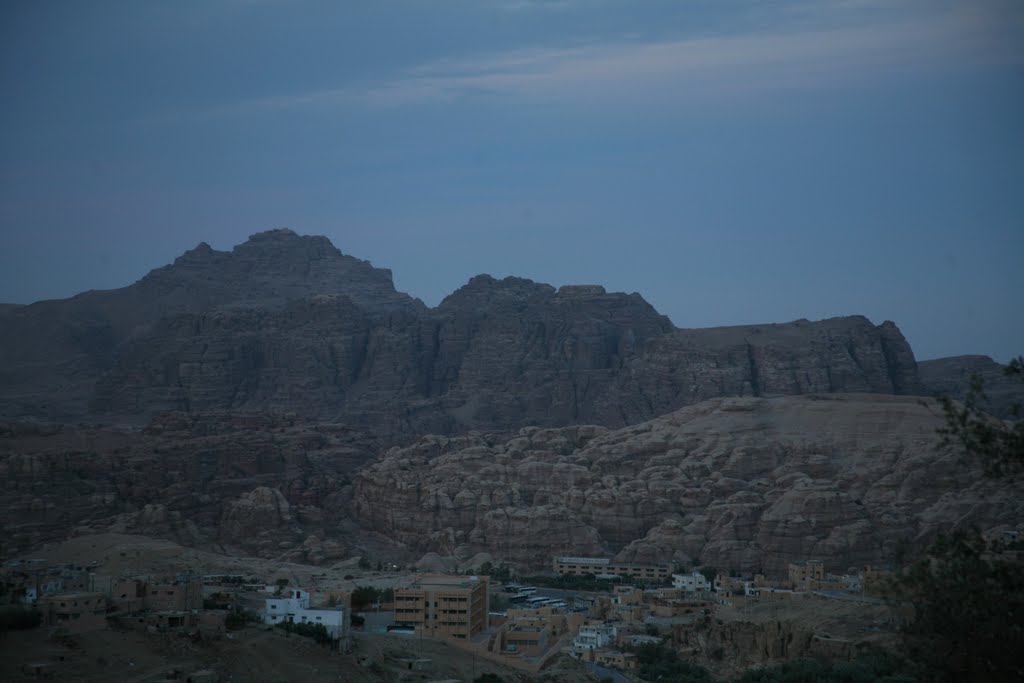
53,352
952,377
287,323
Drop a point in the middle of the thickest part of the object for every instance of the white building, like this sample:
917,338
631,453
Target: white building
594,637
294,607
691,583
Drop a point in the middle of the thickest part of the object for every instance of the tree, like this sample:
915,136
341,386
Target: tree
968,602
968,594
997,444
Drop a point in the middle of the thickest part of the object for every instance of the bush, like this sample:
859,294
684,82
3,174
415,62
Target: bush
317,632
235,621
488,678
871,667
656,661
19,618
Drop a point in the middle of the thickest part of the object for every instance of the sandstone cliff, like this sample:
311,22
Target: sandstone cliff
286,323
742,483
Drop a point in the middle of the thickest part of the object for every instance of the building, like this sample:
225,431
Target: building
444,606
525,638
594,637
182,593
691,583
802,572
293,606
603,566
77,612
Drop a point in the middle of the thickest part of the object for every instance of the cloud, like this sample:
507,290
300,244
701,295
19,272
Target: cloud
813,53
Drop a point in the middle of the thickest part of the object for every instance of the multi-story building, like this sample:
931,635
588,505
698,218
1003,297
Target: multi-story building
801,572
444,606
691,583
580,566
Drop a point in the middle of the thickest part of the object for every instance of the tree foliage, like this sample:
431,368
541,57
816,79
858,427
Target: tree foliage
655,661
999,445
968,593
968,600
872,667
364,596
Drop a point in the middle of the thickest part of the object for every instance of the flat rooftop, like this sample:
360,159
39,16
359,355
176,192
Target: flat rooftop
443,581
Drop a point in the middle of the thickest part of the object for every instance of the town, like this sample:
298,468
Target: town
600,612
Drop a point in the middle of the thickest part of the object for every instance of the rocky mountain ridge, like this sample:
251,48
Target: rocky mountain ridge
287,323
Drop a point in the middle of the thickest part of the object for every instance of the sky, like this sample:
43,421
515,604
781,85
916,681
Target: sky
734,162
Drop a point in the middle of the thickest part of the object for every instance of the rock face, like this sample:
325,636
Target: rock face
952,377
256,484
742,483
286,323
52,352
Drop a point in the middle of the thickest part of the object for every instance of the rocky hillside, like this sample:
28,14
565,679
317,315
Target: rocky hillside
287,323
250,484
740,483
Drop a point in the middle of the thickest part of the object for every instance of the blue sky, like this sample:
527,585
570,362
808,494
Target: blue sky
734,162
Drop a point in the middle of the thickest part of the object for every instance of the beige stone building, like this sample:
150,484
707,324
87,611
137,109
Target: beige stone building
803,572
444,606
77,612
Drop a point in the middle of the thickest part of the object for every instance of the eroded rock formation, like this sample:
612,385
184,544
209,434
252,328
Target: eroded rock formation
740,483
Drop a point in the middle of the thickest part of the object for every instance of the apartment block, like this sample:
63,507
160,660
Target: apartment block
444,606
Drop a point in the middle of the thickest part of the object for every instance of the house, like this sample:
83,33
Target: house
77,612
594,637
293,606
691,583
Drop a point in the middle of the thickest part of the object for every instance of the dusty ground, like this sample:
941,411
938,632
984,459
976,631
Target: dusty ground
117,554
